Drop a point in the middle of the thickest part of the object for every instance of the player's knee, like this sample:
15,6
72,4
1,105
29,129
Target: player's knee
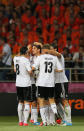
26,107
20,107
41,102
34,104
51,100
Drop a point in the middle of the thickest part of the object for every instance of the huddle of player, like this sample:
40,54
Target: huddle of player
41,80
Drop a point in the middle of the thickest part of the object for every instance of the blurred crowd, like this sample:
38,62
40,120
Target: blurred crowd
23,22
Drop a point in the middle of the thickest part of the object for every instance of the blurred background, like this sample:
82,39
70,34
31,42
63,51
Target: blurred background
23,22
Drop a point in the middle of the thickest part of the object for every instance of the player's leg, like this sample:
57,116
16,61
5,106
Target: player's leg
31,117
42,104
66,105
34,104
51,116
58,99
47,111
20,104
52,102
27,99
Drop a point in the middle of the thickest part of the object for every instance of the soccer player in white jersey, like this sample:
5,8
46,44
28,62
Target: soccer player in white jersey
61,92
47,65
36,51
23,85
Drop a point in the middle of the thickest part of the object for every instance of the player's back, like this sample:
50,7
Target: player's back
47,66
22,66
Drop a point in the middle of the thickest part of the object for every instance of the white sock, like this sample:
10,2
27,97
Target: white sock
26,112
61,111
51,115
43,114
20,112
54,108
68,113
35,114
32,118
47,114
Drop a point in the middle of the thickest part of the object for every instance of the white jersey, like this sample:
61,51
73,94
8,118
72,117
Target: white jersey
60,77
32,61
47,65
22,66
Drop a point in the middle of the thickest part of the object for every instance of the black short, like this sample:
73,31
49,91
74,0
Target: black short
33,92
66,90
45,92
61,90
57,90
24,93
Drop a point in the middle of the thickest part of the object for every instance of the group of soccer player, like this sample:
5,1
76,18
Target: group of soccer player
41,80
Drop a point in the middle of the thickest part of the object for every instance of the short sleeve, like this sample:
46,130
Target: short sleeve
28,65
37,63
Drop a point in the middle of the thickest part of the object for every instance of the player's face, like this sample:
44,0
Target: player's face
34,50
30,49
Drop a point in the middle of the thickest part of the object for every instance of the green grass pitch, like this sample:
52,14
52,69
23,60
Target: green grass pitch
10,123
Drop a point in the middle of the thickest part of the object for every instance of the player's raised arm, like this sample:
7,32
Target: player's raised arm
55,53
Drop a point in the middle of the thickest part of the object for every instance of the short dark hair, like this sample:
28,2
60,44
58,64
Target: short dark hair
54,46
47,46
38,47
23,50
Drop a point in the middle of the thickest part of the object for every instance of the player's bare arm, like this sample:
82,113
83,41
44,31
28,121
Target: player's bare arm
55,53
30,72
56,70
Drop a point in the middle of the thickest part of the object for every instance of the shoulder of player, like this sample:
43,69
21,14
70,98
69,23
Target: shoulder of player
15,57
25,59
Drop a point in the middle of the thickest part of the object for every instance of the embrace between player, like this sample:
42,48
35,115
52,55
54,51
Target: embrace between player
48,84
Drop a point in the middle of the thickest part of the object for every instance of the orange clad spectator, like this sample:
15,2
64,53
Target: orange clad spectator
25,42
56,16
17,3
38,25
41,5
16,48
60,44
47,5
61,9
35,1
45,35
75,37
31,33
52,37
5,2
12,42
45,20
75,48
1,48
23,34
54,27
34,38
66,35
27,18
10,35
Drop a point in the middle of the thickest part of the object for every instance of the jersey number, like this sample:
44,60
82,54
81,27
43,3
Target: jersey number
48,67
17,69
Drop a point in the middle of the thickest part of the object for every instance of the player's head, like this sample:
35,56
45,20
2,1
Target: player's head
23,50
38,43
54,46
36,49
29,48
45,48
